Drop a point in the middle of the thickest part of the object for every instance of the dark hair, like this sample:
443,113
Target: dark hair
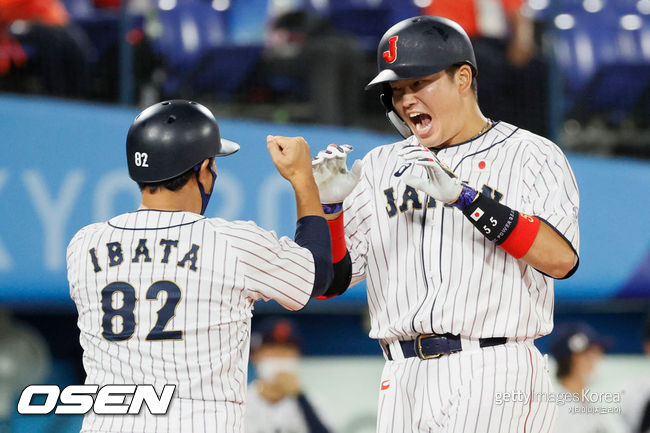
451,71
175,183
563,367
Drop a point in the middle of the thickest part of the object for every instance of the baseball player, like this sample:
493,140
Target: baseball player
578,351
164,294
277,402
459,231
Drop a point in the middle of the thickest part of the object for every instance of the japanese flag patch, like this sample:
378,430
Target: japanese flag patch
477,214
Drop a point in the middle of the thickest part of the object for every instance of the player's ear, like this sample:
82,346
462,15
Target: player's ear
205,176
205,165
464,78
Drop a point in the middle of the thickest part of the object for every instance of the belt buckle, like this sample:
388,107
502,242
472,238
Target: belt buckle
419,347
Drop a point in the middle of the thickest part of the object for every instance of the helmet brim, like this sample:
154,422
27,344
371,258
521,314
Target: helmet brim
228,147
383,77
411,72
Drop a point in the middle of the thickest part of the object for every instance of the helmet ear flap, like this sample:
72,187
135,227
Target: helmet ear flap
386,98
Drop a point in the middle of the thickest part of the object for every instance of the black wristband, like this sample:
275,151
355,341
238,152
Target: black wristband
493,219
330,208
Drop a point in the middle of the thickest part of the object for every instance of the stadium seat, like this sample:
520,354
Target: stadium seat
187,31
101,27
196,52
368,19
623,6
368,24
247,21
604,66
79,9
401,10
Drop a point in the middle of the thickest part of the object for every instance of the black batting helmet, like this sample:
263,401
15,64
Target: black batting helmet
417,47
169,138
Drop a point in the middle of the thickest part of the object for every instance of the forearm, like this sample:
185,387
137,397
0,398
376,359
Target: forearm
307,199
333,216
336,183
342,263
550,253
524,237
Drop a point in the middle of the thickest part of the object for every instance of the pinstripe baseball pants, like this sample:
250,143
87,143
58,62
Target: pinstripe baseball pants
496,389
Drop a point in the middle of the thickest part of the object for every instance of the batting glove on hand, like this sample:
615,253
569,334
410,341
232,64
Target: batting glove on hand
331,173
442,184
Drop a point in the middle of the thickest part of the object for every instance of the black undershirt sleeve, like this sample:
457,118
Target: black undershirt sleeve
342,277
313,233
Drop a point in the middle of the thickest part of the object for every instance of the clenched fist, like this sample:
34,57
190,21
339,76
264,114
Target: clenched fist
291,157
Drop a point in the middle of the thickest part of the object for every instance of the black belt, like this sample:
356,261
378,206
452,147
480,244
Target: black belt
427,346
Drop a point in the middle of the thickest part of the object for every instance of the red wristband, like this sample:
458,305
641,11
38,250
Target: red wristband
522,237
338,238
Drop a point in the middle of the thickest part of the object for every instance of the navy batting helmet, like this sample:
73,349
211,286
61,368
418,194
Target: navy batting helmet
417,47
169,138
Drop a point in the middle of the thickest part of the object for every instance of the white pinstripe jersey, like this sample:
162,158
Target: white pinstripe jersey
428,269
176,309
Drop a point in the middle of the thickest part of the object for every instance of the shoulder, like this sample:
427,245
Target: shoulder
239,230
86,231
223,225
534,144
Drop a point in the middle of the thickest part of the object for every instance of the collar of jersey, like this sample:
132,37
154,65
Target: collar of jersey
153,219
498,129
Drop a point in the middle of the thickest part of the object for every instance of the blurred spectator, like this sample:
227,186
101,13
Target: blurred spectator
276,402
277,8
308,48
636,405
24,360
513,79
578,351
39,36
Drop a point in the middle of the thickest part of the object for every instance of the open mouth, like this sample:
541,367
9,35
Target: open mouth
421,122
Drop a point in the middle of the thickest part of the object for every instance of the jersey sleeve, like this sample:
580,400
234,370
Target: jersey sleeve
273,268
356,217
553,192
72,262
74,258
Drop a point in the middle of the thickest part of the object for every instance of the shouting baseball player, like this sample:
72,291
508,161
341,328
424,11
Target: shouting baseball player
164,294
459,230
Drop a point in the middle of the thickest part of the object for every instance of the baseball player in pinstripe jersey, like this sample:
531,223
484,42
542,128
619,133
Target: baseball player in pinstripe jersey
164,295
459,231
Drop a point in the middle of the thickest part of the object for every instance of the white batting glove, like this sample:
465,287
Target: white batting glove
334,180
442,184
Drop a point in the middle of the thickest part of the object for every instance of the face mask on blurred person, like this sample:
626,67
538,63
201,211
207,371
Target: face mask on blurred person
268,368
